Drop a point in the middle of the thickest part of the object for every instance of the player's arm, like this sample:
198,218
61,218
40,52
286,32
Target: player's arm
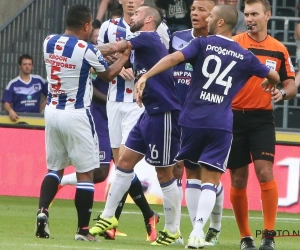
112,48
11,113
272,79
165,63
287,76
114,69
98,96
43,103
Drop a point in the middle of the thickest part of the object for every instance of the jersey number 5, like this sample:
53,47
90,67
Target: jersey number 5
216,74
55,77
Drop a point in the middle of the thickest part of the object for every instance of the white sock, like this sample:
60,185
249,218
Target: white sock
118,188
192,196
170,204
216,214
180,192
69,179
205,206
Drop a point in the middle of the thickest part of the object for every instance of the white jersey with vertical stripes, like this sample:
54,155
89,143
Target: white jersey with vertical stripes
68,62
111,30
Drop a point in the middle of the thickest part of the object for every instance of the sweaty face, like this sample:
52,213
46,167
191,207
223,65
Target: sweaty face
212,22
26,66
137,20
255,15
199,12
130,6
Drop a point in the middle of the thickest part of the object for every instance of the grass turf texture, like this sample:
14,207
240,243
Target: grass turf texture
17,221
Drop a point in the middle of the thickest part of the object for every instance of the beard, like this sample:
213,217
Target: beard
136,26
212,30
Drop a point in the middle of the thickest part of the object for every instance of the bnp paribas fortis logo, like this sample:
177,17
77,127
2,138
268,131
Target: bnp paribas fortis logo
188,67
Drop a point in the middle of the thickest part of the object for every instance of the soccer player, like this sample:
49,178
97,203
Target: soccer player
156,134
98,111
183,73
253,125
220,69
69,127
122,110
23,94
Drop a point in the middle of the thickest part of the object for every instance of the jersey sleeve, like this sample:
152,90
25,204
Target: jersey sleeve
95,59
8,94
286,70
139,39
44,87
191,50
256,67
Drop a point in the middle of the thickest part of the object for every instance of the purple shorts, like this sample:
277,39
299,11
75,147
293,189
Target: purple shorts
157,137
209,147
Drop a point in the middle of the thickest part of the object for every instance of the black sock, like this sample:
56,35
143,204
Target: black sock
48,190
84,199
120,206
137,194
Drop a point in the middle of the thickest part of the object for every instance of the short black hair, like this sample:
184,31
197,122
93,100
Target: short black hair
96,24
25,56
77,16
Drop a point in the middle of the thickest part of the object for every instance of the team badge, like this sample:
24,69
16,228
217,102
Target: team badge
101,155
271,64
36,87
188,67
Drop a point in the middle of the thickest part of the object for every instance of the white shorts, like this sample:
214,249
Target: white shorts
122,116
71,137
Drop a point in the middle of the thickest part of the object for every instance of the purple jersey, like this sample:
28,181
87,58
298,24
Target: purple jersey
183,71
159,95
25,97
98,110
221,69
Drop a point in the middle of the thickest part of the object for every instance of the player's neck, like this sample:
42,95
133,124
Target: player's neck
225,33
25,77
259,36
126,18
200,32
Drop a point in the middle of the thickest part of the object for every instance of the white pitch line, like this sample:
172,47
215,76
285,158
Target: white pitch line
225,216
39,246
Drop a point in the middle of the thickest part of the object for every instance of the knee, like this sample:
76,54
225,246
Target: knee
100,174
164,175
265,175
238,179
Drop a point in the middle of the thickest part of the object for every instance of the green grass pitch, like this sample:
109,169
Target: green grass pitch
17,219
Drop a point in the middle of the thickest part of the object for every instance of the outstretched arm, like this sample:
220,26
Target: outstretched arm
112,48
270,83
165,63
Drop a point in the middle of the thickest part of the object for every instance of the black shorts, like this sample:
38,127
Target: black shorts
253,137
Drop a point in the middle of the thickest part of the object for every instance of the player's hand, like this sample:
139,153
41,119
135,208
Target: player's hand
178,170
267,86
138,90
126,52
13,115
127,74
276,95
112,58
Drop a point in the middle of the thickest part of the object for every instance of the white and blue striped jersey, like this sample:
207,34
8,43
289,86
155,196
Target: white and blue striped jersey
68,61
119,89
